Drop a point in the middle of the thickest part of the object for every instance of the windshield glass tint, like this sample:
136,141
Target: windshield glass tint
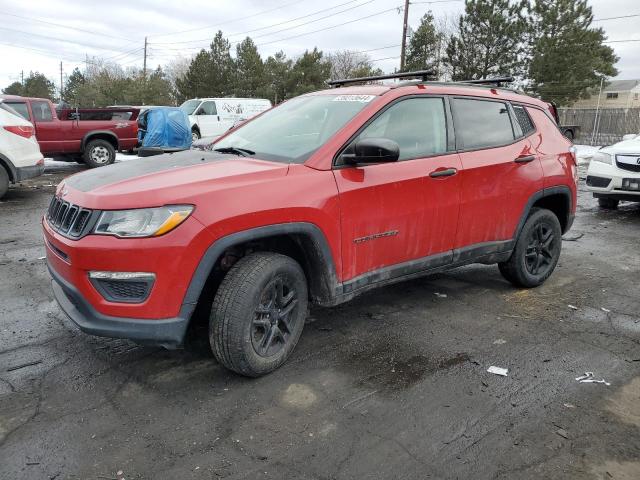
291,132
189,106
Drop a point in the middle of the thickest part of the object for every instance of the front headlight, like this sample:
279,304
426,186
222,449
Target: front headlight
143,222
602,158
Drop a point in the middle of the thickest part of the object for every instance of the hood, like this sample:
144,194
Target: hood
625,147
165,179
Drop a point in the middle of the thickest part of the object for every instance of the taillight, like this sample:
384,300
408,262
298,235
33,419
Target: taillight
26,131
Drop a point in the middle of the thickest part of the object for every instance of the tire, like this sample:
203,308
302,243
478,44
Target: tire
608,203
248,331
99,153
195,135
537,250
4,181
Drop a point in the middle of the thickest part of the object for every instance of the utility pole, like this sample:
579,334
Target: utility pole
596,118
144,65
22,77
61,82
404,34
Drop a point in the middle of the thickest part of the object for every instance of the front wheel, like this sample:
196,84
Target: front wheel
537,250
195,135
99,153
258,313
4,181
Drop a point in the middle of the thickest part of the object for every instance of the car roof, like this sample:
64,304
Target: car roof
441,88
19,97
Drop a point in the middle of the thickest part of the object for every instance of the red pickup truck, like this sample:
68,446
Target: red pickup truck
89,135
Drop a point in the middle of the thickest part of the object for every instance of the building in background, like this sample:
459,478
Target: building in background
615,94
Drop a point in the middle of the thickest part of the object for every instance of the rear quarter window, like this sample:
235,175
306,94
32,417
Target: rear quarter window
482,123
524,120
41,111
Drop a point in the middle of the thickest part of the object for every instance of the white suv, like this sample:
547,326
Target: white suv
20,156
614,172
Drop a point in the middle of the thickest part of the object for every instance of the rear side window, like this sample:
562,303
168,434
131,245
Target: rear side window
523,120
41,111
417,125
21,108
482,124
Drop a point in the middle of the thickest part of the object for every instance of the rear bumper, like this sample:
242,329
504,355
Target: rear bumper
168,333
24,173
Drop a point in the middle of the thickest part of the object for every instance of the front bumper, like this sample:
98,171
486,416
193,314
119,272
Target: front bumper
168,333
606,180
24,173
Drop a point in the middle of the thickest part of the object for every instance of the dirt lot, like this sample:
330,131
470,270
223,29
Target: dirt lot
390,386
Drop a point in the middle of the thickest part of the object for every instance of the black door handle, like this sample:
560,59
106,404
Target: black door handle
525,159
443,173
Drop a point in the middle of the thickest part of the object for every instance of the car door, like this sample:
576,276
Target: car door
500,170
230,111
395,213
207,119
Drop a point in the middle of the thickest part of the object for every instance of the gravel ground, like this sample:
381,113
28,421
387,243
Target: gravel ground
391,385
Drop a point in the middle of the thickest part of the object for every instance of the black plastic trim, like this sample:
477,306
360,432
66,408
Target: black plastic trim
547,192
88,137
24,173
168,333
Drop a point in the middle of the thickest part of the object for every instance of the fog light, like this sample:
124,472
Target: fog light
631,184
122,275
123,287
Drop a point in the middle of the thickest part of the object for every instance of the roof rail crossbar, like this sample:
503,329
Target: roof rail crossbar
423,74
489,81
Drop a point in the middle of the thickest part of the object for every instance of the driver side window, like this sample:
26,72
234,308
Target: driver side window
417,125
207,108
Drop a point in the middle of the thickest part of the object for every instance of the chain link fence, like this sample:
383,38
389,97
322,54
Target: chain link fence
610,124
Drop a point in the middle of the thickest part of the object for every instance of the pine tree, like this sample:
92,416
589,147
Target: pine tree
568,56
194,82
14,89
37,85
277,70
72,86
489,40
310,72
423,52
249,69
220,78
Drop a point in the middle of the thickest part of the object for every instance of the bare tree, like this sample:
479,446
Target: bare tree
350,64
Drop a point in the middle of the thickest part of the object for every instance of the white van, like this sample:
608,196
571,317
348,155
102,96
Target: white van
211,117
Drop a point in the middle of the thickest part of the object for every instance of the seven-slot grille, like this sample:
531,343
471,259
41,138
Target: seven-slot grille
68,219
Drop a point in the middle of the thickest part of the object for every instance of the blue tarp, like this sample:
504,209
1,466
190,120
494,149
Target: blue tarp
165,127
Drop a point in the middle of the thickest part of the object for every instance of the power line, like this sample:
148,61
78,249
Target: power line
273,25
229,21
331,27
65,26
616,18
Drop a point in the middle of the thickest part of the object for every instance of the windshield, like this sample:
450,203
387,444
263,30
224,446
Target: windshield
189,106
291,132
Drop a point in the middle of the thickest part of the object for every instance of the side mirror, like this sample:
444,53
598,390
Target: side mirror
630,136
373,150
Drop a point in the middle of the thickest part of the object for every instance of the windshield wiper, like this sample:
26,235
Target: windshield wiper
243,152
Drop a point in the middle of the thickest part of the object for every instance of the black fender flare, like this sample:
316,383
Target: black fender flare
329,282
540,194
9,167
88,137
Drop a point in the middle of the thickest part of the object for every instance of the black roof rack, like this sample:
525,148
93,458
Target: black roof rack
497,81
424,74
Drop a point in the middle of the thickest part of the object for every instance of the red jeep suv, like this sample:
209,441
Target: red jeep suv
317,200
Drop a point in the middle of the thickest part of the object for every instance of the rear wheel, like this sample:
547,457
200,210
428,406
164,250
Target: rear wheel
608,203
4,181
537,250
258,313
99,153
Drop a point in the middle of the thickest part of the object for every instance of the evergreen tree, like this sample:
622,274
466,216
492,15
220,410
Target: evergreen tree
37,85
249,69
277,70
489,40
194,82
220,78
568,56
14,89
71,88
423,52
310,72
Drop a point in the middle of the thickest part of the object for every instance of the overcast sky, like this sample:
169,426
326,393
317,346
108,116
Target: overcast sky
33,36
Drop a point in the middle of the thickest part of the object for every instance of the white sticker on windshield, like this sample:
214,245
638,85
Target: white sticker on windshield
354,98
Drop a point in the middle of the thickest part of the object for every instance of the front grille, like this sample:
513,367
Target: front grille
128,291
628,162
69,220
